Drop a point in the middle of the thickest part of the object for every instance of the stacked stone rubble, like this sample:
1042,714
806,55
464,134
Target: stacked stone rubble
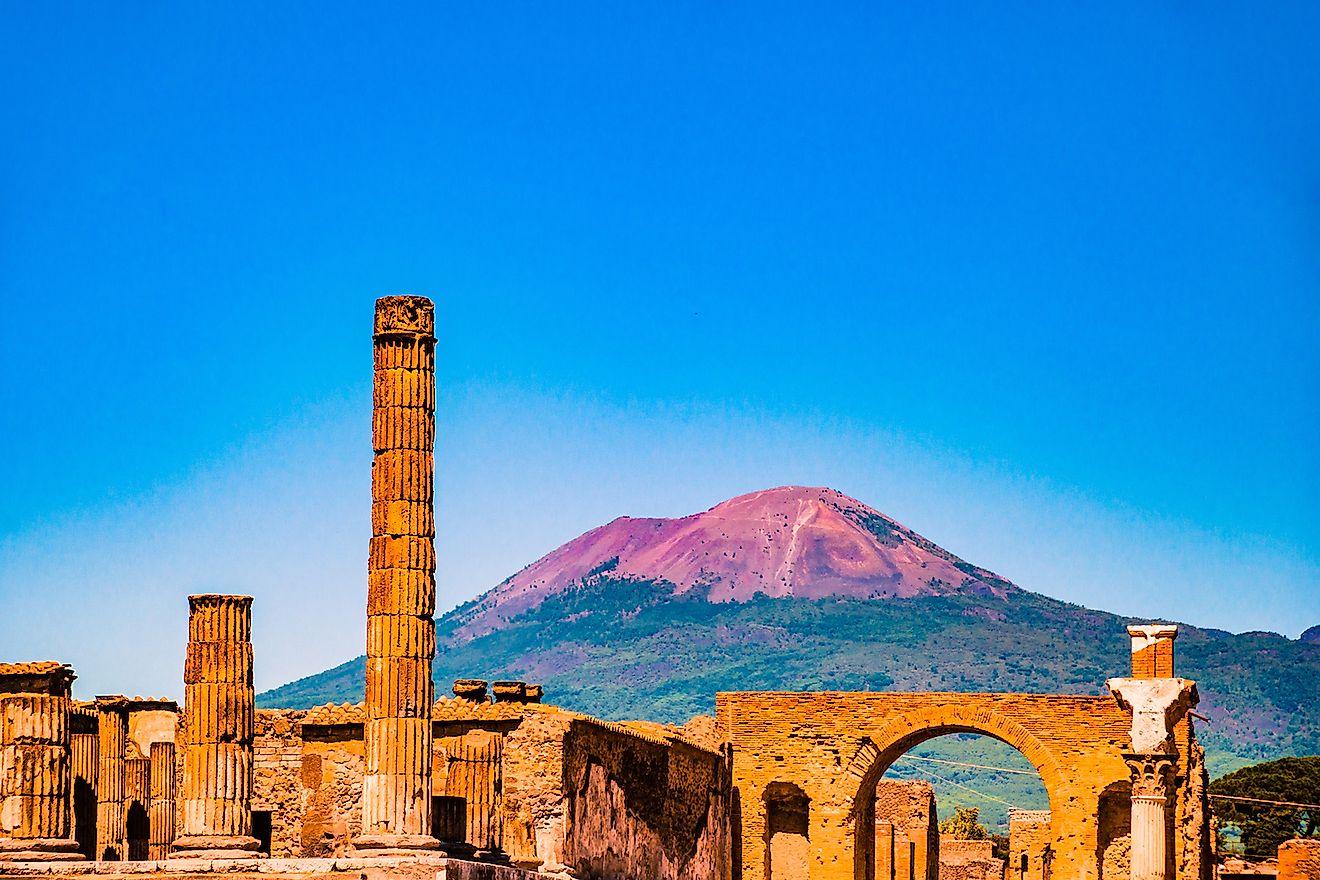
112,719
34,762
396,806
217,733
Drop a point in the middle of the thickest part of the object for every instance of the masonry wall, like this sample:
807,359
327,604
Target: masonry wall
643,807
833,745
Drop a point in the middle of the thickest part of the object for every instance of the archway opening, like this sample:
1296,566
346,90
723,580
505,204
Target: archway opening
788,824
955,797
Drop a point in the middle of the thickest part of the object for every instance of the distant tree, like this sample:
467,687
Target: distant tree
962,825
1264,826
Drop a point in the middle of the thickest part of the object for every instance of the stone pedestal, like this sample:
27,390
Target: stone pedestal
396,790
34,763
162,800
219,710
1150,830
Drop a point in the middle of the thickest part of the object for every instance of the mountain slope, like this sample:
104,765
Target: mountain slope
608,631
790,541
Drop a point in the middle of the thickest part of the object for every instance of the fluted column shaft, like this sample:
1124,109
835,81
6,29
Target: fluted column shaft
113,740
1150,792
396,795
85,769
161,809
218,729
137,800
34,762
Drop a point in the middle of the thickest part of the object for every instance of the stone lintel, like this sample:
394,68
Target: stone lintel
46,677
1156,704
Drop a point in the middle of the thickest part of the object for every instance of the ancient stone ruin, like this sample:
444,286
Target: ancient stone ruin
495,782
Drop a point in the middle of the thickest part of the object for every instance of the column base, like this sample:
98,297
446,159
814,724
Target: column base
215,846
371,845
39,849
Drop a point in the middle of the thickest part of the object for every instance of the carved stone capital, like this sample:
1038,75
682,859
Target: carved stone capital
1151,774
1156,704
405,315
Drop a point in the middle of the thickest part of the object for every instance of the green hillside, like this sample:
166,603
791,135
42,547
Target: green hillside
631,649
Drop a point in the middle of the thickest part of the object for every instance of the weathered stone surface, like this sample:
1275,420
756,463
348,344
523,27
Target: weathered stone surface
215,799
1299,860
1156,704
35,774
396,788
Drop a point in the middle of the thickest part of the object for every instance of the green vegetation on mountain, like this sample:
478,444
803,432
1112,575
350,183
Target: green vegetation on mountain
630,648
1263,826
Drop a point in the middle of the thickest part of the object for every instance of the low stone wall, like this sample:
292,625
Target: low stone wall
414,868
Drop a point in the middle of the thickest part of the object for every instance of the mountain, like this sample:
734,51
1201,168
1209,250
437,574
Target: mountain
790,541
808,589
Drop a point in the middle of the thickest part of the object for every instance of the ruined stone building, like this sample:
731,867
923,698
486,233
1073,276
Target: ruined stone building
495,781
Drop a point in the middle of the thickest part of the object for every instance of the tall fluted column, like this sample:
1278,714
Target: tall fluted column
1150,795
219,707
112,715
396,792
34,762
162,800
85,754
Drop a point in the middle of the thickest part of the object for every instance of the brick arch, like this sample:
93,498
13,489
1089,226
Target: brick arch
889,742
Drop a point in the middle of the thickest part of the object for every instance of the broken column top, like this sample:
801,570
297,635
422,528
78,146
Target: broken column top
406,315
36,677
1152,650
517,692
1157,704
472,689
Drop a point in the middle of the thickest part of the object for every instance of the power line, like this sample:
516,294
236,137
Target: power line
973,791
963,764
1226,797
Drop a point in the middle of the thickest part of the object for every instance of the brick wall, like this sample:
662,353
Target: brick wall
833,745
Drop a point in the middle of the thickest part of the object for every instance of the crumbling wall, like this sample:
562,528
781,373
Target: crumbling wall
643,807
276,758
909,805
533,797
1299,860
969,860
1029,839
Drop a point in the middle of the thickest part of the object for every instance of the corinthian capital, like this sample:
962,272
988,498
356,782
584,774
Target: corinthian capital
1150,773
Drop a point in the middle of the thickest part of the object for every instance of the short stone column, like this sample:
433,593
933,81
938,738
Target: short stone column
219,709
137,801
396,789
112,721
162,800
86,758
1151,775
34,762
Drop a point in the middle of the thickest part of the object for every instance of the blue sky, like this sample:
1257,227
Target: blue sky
1042,284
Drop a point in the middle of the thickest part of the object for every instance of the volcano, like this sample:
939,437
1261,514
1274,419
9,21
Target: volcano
792,541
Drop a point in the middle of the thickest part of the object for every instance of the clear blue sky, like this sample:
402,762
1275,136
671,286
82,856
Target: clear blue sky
1044,284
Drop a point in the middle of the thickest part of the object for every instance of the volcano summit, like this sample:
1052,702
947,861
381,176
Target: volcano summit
792,541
